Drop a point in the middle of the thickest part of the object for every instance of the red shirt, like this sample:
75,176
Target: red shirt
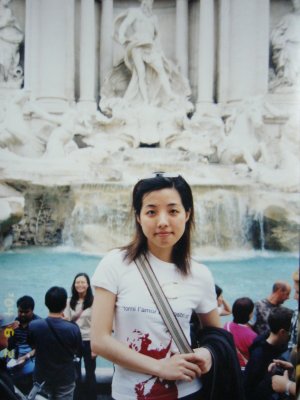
243,337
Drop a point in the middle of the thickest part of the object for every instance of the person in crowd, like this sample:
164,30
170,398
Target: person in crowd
294,324
285,384
263,351
280,293
19,346
7,390
243,335
79,310
56,343
147,361
224,307
298,366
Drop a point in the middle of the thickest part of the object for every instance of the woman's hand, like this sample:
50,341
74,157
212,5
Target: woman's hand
180,367
205,359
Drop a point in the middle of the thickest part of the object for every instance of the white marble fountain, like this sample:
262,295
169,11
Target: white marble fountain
97,94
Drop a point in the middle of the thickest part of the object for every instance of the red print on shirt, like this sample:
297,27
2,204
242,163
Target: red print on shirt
153,387
165,388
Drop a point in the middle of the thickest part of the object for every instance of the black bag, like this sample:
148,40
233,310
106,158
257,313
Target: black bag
224,380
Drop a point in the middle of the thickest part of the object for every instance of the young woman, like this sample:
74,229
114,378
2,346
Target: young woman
79,311
243,335
148,364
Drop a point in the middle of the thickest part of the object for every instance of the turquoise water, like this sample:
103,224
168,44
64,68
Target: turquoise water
33,271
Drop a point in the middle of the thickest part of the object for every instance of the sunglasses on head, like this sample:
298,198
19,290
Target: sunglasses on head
161,174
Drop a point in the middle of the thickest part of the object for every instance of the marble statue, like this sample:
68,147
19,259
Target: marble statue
283,172
11,37
289,146
106,134
19,135
61,135
144,89
201,135
241,142
285,43
15,132
144,74
137,31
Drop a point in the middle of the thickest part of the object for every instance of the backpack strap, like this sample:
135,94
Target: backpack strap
67,349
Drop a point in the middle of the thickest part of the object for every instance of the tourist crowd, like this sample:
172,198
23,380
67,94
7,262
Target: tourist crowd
50,350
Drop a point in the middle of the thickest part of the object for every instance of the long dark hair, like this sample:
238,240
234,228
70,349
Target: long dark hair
89,297
181,252
242,309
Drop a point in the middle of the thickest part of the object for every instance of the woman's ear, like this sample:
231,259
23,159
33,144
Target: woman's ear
137,217
187,215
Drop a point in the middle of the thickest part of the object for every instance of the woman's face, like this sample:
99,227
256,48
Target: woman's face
81,285
162,219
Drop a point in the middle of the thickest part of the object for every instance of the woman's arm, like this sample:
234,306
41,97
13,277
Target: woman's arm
179,366
67,310
226,308
209,319
26,356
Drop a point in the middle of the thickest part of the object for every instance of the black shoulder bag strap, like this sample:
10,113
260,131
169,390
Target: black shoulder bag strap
163,305
58,338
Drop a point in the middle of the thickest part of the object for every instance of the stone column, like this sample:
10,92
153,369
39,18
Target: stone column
243,49
206,55
106,38
52,66
87,55
31,46
224,51
182,36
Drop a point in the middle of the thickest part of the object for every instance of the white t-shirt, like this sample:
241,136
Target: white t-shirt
84,321
138,324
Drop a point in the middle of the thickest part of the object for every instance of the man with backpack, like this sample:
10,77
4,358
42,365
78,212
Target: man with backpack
57,342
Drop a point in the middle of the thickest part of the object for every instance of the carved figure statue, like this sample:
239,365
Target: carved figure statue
15,134
284,171
10,38
61,135
200,135
64,128
144,75
241,142
285,42
289,145
18,136
137,31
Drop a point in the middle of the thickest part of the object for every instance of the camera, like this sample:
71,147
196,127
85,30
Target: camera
278,370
